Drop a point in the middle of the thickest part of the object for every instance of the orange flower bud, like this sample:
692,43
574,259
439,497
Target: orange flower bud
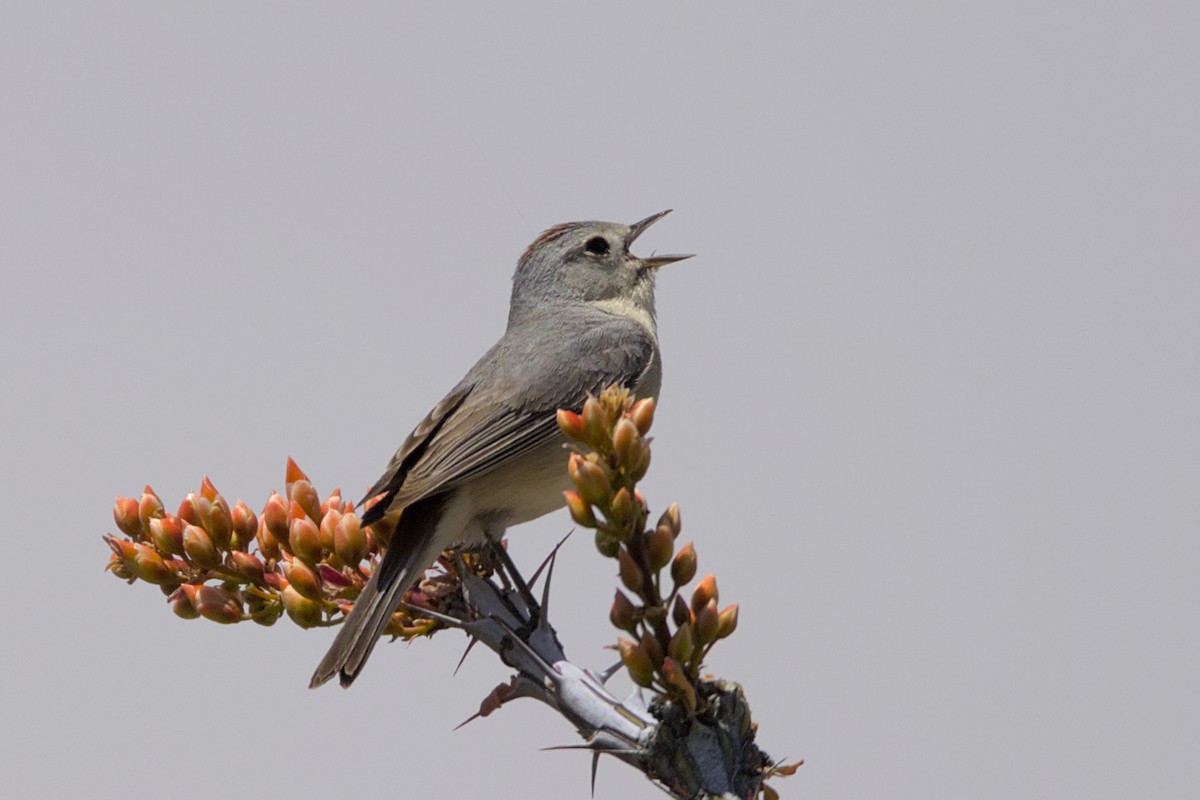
149,566
187,509
683,568
590,480
581,510
199,548
304,579
303,494
637,662
304,539
149,507
275,514
707,624
705,591
595,424
727,622
293,474
167,535
183,607
328,524
683,644
671,519
304,612
207,490
627,445
268,545
631,573
642,414
350,540
245,525
570,424
248,566
660,546
623,614
639,470
217,520
217,604
125,514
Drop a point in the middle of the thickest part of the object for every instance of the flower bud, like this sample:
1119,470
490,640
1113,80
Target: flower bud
642,466
683,568
183,607
636,661
167,535
268,545
304,539
149,566
303,494
328,525
304,612
217,520
590,480
149,507
631,573
620,511
332,503
125,514
707,624
642,414
623,614
683,644
627,445
653,649
350,540
199,548
705,591
293,474
677,680
263,611
248,566
570,423
245,525
727,622
187,509
595,424
217,604
660,546
671,519
304,579
275,514
607,543
207,490
581,510
680,613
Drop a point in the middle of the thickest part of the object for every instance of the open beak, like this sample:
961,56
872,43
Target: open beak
636,230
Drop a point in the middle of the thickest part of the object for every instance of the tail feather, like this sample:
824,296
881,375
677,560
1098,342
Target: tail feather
412,550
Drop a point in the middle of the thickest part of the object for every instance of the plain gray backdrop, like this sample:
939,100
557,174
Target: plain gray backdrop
931,405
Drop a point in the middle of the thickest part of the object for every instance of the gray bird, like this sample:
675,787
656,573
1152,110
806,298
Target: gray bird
490,455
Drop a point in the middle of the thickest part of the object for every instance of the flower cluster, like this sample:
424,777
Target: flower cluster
672,631
301,556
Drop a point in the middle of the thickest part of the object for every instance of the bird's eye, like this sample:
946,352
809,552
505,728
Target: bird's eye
597,246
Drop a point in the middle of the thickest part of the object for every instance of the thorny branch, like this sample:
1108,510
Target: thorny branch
694,736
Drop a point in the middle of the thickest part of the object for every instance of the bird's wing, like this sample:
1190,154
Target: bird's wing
506,405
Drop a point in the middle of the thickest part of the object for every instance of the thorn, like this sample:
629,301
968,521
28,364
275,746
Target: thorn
595,766
548,558
608,673
546,587
466,653
471,718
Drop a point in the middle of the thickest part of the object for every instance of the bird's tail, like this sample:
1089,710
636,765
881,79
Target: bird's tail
413,548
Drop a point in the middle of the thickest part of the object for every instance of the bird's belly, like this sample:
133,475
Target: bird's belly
528,487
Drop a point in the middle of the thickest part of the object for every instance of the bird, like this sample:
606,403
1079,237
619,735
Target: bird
490,455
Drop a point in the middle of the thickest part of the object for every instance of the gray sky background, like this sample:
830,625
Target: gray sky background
931,396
